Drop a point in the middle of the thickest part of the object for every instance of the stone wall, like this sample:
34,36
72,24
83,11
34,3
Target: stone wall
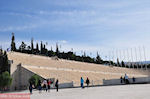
138,80
20,78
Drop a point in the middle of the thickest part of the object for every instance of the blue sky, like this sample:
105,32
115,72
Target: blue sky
110,27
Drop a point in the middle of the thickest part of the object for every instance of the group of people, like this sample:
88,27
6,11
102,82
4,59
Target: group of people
126,79
45,85
82,82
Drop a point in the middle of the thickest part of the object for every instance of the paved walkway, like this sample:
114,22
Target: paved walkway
105,92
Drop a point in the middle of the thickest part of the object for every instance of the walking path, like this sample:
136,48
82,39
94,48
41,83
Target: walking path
106,92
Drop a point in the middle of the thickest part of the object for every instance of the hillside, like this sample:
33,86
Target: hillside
67,71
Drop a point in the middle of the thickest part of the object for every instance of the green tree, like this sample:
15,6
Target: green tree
122,64
57,50
44,47
118,63
44,50
28,48
98,59
34,80
4,66
41,47
32,46
13,45
131,65
37,48
22,47
6,80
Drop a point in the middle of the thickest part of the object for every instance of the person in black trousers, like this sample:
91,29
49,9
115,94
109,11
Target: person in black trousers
87,82
39,86
121,80
30,88
56,85
133,80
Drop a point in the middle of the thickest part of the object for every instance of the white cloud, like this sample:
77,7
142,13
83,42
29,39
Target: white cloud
62,41
20,14
17,28
70,13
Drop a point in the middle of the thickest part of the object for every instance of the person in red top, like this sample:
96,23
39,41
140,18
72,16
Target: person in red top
49,84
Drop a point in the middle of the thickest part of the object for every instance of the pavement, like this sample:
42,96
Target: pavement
141,91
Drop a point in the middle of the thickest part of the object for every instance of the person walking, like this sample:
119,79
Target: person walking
82,82
45,85
30,88
121,80
126,79
56,85
48,84
39,86
87,82
133,80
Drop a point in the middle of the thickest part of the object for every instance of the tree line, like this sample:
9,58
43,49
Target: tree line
42,50
70,55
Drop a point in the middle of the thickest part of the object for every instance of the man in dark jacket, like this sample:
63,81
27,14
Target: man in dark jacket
56,85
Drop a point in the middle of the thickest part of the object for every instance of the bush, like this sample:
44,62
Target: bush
5,80
34,80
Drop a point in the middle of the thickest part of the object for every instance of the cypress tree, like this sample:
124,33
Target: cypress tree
32,46
41,47
57,50
13,45
98,59
44,47
44,50
37,48
122,64
118,63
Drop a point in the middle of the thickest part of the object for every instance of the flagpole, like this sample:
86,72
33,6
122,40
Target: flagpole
136,58
132,58
120,57
140,57
145,57
113,56
109,57
128,58
117,57
124,57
